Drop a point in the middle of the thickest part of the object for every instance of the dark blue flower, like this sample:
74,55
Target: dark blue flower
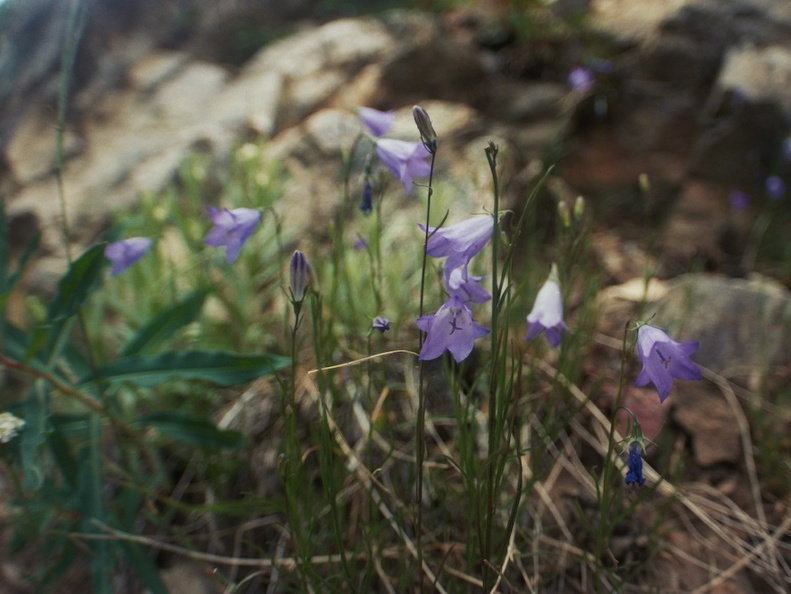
367,204
381,324
634,463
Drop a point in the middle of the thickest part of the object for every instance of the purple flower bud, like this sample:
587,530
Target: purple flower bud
367,204
381,324
126,252
427,134
299,276
634,463
378,122
664,359
232,228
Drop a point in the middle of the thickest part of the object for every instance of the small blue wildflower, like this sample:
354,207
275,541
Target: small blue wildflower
664,359
126,252
775,187
580,79
406,160
361,243
450,329
232,228
739,200
367,204
381,324
634,463
547,312
465,286
378,122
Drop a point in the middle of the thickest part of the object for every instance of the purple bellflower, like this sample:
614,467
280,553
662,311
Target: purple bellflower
459,242
300,275
775,187
465,286
231,229
547,312
405,159
381,324
378,122
580,79
126,252
451,328
634,464
664,359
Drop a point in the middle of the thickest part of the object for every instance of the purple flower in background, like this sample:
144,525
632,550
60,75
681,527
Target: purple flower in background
547,312
664,359
231,229
126,252
580,79
775,187
634,463
405,159
464,286
459,242
451,328
739,200
381,324
378,122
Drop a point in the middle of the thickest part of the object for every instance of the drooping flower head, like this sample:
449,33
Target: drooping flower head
465,286
231,229
300,275
459,242
406,160
547,312
381,324
664,359
450,329
126,252
378,122
634,463
580,79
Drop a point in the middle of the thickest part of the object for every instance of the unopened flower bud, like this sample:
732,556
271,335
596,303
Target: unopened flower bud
426,129
9,426
579,208
644,182
299,276
564,213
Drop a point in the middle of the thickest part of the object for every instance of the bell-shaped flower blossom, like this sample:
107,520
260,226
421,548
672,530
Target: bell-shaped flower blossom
459,242
465,286
126,252
381,324
547,312
664,359
634,464
406,160
232,228
450,329
378,122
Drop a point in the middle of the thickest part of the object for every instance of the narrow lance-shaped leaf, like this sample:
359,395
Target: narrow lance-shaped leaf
220,367
192,430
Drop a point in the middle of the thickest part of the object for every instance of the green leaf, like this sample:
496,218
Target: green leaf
164,325
196,431
219,367
146,569
77,283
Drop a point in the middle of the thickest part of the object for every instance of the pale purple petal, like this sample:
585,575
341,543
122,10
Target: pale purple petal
663,360
464,286
547,313
126,252
378,122
452,328
405,159
232,228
